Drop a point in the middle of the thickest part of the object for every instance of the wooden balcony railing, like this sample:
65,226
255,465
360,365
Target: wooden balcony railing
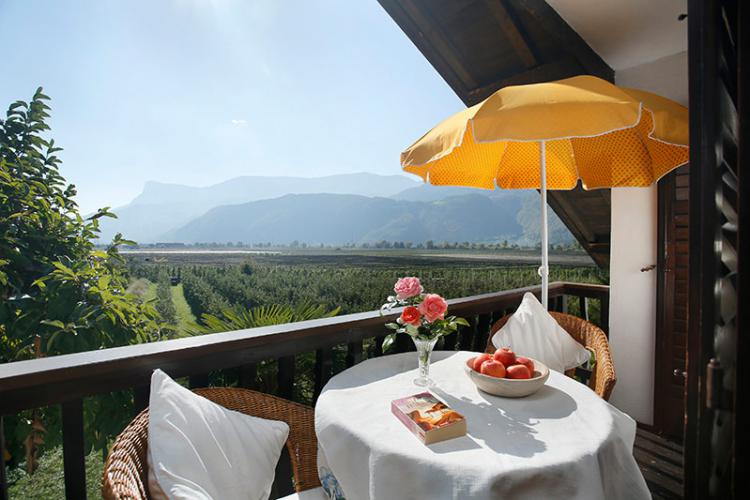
66,380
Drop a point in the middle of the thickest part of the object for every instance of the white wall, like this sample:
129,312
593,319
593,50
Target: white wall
632,321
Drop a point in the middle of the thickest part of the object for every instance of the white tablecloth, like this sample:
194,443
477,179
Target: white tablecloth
562,442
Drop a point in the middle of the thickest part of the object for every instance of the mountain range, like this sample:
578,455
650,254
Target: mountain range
339,209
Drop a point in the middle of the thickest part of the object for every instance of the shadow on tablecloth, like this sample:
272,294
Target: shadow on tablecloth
507,427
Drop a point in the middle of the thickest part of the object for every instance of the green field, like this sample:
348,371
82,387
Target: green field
209,282
185,318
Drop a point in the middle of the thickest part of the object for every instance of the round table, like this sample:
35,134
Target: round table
561,442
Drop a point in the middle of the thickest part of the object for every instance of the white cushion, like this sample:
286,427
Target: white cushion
532,332
313,494
200,450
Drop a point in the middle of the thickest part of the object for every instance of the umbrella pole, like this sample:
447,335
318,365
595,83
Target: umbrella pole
544,269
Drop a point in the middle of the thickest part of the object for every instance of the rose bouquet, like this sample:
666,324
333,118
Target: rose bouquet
423,319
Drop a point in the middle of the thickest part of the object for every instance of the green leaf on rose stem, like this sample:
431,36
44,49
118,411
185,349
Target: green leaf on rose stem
392,326
412,330
388,341
461,321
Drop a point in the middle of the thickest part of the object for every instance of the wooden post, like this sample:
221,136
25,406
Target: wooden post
377,346
248,376
483,330
449,342
604,314
353,353
286,377
3,478
140,398
73,450
466,334
323,369
198,380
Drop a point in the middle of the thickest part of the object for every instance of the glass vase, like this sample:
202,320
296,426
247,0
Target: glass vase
424,352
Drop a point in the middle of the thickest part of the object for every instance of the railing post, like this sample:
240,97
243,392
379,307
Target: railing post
353,353
286,377
483,330
198,380
323,369
248,376
3,477
604,314
466,334
377,346
554,303
74,461
140,398
449,342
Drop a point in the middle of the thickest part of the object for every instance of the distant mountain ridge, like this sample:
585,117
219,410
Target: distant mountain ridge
162,207
256,187
341,209
341,219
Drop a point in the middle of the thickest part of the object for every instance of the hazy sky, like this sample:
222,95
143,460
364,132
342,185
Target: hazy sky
199,91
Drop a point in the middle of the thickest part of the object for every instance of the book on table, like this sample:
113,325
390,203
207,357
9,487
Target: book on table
428,418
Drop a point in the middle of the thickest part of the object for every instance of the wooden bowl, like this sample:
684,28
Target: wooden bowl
508,387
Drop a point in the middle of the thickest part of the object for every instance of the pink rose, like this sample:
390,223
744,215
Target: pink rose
433,307
407,287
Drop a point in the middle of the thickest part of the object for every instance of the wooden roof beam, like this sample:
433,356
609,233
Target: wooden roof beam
512,32
429,28
556,70
550,21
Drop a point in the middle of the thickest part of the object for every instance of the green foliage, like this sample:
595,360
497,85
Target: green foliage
54,283
48,481
239,318
58,292
354,284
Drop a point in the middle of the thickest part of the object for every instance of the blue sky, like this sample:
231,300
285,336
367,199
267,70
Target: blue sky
199,91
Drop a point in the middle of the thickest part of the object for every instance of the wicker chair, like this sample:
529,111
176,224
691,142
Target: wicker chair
126,469
603,378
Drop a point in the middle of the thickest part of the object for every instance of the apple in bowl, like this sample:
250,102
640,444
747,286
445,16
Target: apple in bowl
505,356
492,368
478,360
521,377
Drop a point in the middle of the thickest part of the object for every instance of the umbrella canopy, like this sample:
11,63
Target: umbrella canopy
550,136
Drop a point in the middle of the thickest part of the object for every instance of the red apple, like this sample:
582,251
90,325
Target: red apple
505,356
518,371
476,363
521,360
493,368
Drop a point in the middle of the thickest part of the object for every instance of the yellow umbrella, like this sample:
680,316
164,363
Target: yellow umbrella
550,136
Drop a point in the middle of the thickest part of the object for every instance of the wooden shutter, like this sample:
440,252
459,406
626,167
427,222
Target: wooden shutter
719,297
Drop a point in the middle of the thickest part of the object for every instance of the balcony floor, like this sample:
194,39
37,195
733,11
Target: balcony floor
661,463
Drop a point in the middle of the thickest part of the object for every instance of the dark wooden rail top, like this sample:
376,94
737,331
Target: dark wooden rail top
41,382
